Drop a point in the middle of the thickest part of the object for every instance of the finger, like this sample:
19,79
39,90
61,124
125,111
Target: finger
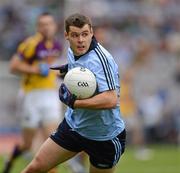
62,90
55,68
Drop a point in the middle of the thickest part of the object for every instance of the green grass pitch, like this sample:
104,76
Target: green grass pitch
165,159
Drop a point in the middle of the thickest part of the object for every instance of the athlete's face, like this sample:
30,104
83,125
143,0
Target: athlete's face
46,25
79,39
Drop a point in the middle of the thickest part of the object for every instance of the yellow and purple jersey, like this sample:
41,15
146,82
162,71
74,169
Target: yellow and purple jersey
35,50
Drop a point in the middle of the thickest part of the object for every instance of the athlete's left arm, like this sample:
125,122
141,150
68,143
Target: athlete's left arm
104,100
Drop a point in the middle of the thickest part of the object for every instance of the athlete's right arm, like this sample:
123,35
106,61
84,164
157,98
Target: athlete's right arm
19,66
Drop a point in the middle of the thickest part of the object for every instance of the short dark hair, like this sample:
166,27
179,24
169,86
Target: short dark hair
77,20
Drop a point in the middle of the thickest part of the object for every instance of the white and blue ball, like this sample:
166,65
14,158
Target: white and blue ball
81,82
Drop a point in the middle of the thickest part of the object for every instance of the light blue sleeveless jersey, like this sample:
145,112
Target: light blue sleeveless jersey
101,124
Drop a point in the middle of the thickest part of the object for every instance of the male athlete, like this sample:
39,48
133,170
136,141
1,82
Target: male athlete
92,125
41,107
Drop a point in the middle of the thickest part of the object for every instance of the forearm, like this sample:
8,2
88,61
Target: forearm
18,66
106,100
25,68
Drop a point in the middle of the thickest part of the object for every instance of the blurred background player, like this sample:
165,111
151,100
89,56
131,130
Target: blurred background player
41,107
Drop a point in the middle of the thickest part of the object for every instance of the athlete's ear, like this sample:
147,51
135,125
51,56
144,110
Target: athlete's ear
91,29
66,35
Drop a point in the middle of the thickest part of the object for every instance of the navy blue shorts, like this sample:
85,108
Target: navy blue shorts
102,154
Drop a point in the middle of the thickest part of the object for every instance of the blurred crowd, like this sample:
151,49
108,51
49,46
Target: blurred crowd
144,38
18,20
